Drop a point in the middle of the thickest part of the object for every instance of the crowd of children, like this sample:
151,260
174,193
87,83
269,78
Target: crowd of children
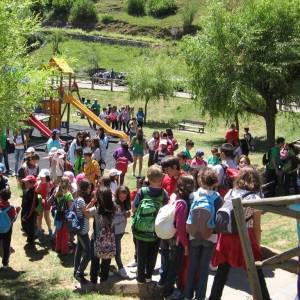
177,209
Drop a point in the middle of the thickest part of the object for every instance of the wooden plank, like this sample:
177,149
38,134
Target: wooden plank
284,211
280,258
276,201
247,250
285,265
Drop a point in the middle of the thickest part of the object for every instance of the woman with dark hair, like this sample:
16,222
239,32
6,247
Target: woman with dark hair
96,149
229,251
76,143
54,141
82,253
138,146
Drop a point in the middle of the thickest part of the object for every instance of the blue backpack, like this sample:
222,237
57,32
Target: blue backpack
202,215
73,222
5,221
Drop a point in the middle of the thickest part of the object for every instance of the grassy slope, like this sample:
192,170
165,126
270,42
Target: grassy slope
43,275
116,8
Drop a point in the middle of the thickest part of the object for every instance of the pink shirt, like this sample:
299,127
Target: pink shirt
181,214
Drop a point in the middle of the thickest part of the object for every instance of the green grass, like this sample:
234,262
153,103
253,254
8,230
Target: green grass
116,8
79,55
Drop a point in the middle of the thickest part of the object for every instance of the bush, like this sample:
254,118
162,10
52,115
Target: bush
106,19
135,7
83,13
61,8
160,8
189,11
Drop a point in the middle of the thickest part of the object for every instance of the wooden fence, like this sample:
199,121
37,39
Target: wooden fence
277,205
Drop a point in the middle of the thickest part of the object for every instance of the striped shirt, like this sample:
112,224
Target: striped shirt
79,205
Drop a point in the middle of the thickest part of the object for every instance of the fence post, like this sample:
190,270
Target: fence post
247,250
92,82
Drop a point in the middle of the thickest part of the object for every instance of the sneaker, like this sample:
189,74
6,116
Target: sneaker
161,283
81,279
50,233
176,295
148,280
212,268
122,272
132,264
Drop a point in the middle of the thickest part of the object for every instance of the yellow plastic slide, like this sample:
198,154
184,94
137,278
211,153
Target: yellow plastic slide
69,98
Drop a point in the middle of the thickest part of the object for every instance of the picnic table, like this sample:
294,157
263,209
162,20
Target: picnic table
196,126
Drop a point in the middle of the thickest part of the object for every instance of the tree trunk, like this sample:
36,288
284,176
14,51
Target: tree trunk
145,110
270,119
237,123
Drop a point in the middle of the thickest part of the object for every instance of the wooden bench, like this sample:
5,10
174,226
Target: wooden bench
196,126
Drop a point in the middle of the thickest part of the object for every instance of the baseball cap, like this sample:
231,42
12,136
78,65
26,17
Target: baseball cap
163,142
44,173
114,172
30,150
2,168
199,152
29,178
87,150
55,131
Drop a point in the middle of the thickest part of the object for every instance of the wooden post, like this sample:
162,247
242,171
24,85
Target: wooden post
111,81
68,118
92,78
247,250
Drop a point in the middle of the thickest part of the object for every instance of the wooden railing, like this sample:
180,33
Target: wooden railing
277,205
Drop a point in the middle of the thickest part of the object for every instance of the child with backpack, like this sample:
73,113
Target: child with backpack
178,242
28,214
122,212
200,226
103,245
122,157
43,189
147,201
63,201
8,214
229,251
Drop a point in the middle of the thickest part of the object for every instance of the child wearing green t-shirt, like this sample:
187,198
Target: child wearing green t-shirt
78,163
214,158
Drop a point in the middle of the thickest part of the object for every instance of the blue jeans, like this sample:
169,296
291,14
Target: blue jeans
82,254
200,255
19,154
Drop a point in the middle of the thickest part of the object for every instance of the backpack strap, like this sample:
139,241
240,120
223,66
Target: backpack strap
6,209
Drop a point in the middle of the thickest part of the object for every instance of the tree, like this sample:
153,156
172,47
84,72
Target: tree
150,81
21,86
246,59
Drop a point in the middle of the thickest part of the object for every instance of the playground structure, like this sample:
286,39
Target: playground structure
57,107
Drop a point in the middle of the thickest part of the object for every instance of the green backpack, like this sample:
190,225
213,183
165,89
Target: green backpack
143,228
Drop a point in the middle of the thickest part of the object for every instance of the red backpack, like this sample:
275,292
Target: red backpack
122,164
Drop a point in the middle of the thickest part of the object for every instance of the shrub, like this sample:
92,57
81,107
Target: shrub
107,19
189,11
160,8
135,7
83,13
61,8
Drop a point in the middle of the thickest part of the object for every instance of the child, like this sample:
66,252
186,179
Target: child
161,152
123,205
83,249
182,157
43,189
114,176
138,146
103,244
140,117
143,226
63,201
214,158
153,144
4,184
28,214
178,245
91,167
29,167
198,160
200,247
122,157
78,162
228,251
189,145
5,235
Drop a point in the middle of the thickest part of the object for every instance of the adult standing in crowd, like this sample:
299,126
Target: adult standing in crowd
20,143
232,135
